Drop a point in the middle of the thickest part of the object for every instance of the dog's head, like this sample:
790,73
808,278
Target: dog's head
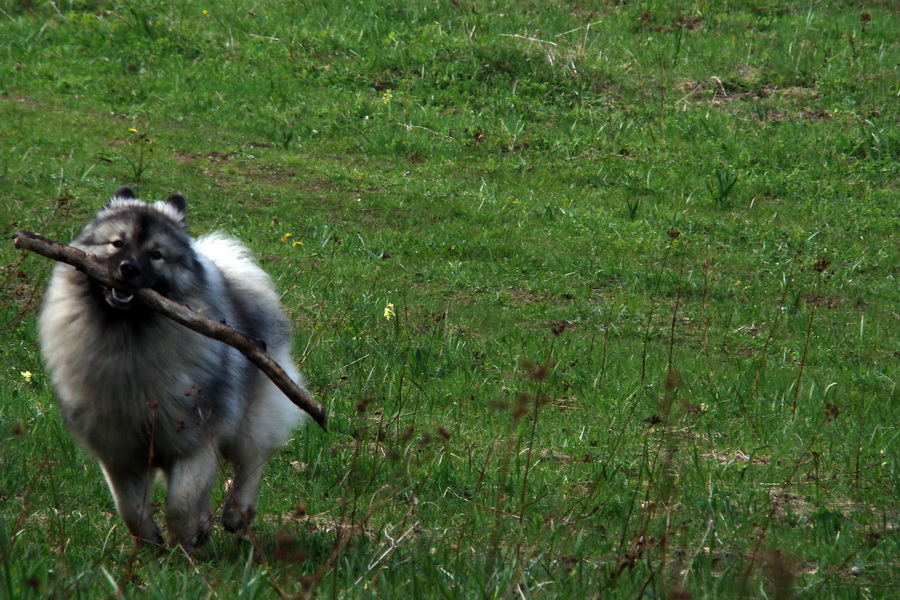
143,246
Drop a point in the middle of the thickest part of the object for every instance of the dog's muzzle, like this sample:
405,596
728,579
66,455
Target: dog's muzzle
129,272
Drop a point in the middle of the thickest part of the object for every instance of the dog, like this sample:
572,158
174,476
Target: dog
147,396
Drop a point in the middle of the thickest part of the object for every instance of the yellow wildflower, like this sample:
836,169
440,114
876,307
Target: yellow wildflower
389,312
26,375
298,243
285,237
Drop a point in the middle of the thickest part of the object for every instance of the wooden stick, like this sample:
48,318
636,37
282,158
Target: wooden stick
90,266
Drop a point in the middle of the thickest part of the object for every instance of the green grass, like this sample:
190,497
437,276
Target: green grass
618,365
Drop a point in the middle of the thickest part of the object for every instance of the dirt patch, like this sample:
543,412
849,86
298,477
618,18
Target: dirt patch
727,457
214,156
721,91
324,523
524,296
647,20
784,502
28,102
816,114
820,301
713,89
510,295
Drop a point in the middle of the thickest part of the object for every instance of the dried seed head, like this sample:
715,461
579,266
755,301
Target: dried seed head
498,405
557,327
653,420
287,550
820,265
407,434
537,372
781,572
363,405
673,380
522,404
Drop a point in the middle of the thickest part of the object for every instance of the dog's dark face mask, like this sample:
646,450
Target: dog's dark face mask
142,246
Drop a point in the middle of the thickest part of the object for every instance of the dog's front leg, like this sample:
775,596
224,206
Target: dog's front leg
241,497
187,504
131,488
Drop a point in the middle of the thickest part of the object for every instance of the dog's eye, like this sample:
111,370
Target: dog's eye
156,255
118,243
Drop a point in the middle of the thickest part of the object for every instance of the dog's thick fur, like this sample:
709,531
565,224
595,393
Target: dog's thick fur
145,394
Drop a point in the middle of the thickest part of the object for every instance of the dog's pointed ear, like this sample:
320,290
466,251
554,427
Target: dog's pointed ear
179,203
125,192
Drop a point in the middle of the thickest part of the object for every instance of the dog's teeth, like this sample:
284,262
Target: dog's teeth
118,298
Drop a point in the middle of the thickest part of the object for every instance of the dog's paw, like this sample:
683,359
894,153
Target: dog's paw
191,542
235,520
150,536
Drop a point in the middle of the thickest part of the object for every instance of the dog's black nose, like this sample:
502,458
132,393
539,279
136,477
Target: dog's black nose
128,269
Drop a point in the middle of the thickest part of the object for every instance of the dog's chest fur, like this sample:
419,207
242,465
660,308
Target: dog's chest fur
144,387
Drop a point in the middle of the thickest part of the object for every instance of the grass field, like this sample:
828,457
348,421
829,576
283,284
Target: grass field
602,297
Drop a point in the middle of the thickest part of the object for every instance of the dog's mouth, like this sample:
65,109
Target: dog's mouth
118,298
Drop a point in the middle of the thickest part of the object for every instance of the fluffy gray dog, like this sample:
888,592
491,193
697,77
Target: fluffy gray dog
145,394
